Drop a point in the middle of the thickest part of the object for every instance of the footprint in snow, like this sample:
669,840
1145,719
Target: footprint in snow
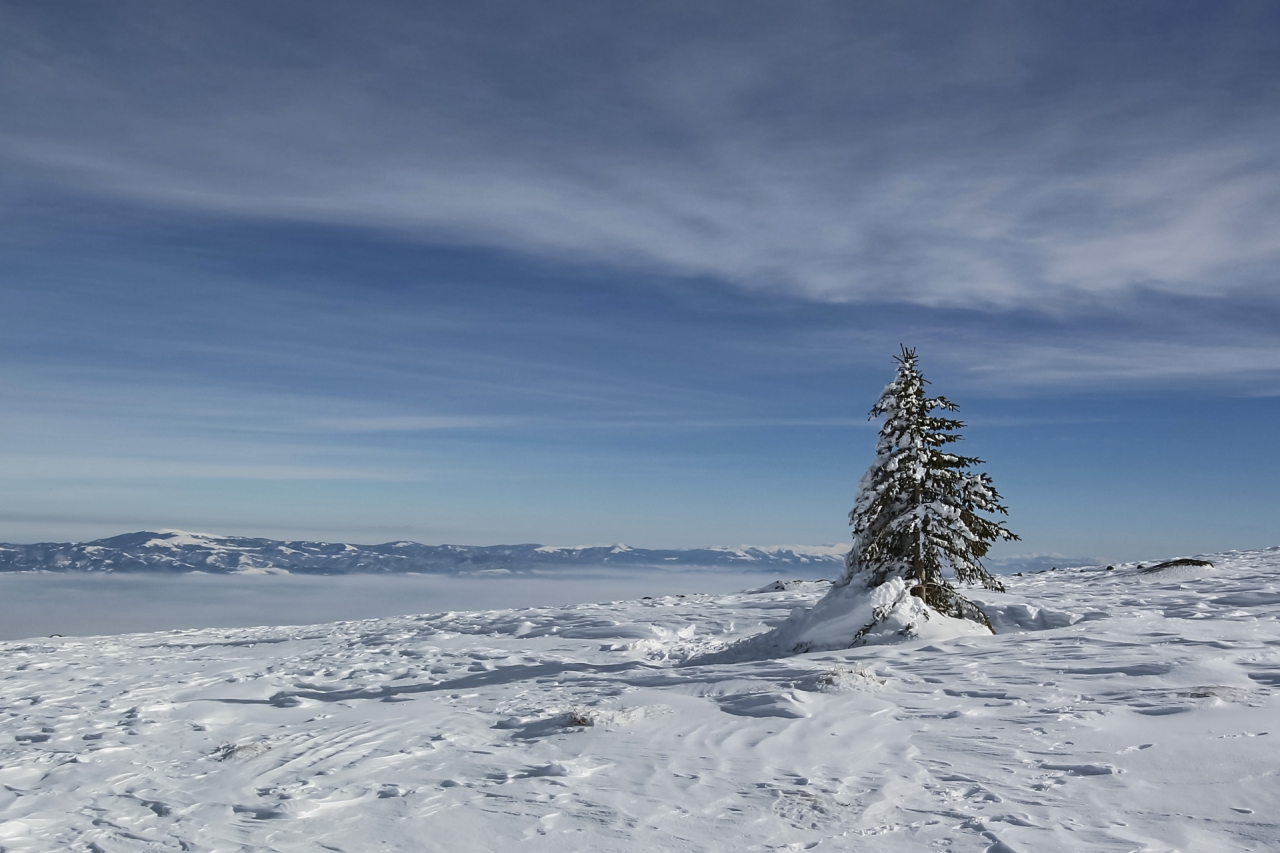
1136,748
764,705
574,769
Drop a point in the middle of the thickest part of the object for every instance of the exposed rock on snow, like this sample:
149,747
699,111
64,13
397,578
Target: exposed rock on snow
1182,562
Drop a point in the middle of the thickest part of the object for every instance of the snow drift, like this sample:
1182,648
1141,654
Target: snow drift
1125,710
851,615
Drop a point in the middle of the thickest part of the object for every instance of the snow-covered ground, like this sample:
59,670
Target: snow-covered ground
1115,711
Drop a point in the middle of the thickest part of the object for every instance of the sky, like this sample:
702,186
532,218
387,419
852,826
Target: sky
581,273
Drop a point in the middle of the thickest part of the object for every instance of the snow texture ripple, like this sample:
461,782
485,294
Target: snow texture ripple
1117,710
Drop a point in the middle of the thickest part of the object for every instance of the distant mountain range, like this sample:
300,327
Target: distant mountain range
175,551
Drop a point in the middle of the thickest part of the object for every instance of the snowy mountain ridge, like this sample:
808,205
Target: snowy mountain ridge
180,551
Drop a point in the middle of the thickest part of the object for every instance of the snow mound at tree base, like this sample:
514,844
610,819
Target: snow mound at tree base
853,615
850,615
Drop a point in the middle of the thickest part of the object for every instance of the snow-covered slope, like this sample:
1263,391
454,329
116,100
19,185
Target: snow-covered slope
179,551
1119,710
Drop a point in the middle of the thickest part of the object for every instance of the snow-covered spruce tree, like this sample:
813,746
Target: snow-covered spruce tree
919,508
919,525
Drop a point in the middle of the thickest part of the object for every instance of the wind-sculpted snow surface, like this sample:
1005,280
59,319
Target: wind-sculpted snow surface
1115,710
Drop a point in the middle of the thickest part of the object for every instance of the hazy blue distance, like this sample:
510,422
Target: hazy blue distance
79,605
582,273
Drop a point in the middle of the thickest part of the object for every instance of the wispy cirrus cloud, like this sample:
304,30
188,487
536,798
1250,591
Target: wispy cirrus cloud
407,423
47,468
620,272
1251,368
987,160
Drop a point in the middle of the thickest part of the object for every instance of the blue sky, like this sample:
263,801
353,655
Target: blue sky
596,272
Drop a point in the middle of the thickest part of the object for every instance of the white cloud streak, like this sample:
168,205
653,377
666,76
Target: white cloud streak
834,166
43,468
1147,364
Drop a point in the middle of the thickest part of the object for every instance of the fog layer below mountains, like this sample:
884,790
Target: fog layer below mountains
76,605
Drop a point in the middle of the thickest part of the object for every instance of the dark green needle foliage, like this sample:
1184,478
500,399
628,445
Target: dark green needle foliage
921,511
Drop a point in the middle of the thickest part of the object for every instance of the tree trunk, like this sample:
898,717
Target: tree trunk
917,555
